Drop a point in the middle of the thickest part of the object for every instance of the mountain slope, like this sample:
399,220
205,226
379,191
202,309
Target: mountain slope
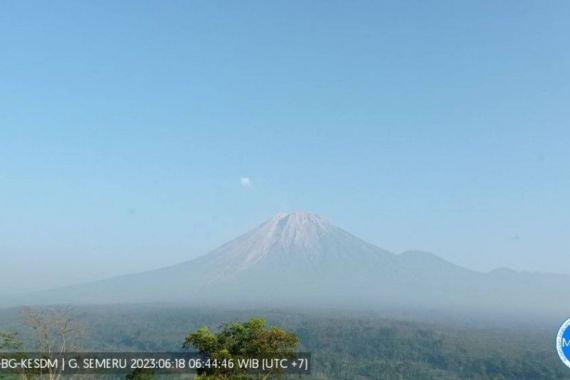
301,259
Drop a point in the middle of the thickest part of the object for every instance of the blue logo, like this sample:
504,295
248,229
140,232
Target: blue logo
563,343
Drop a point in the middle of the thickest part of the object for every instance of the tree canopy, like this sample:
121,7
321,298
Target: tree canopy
241,340
9,341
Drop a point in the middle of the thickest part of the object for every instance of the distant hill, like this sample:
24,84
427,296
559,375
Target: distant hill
303,260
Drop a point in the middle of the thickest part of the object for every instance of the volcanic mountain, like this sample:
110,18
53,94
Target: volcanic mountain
303,260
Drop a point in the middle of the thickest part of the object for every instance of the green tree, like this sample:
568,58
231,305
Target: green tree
141,374
9,341
237,341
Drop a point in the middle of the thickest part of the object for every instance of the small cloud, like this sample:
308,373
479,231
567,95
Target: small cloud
246,182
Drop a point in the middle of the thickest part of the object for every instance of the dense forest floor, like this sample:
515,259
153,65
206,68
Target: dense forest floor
343,345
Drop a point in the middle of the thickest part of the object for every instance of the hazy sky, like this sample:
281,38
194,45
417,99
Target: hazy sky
137,134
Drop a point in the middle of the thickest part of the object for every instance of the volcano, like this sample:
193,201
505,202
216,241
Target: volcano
303,260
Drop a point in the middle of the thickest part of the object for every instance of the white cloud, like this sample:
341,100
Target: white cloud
246,182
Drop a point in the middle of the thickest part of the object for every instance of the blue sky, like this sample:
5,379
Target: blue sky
127,129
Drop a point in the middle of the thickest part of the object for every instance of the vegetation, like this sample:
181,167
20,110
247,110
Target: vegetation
237,341
50,331
141,374
343,346
9,341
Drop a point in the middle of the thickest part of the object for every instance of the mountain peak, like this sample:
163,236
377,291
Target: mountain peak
298,239
297,228
299,219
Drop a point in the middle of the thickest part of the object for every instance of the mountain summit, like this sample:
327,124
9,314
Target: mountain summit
297,229
307,240
302,260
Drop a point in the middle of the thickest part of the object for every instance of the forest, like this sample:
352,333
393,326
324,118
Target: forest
343,345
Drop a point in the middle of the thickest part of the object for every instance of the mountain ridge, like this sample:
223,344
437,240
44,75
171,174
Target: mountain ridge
302,259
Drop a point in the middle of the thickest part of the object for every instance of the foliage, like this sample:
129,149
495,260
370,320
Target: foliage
237,341
50,331
9,341
141,374
344,346
55,329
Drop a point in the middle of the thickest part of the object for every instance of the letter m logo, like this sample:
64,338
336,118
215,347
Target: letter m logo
565,343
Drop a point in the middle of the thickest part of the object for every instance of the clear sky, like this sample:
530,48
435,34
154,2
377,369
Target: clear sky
137,134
